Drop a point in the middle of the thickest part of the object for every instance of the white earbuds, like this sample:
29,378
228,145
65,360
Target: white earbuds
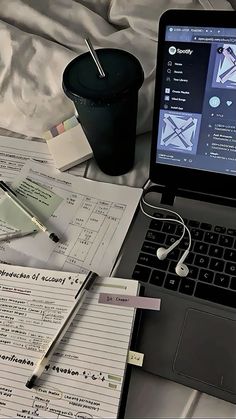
181,269
162,252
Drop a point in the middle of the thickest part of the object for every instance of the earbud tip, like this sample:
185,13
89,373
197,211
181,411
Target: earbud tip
161,253
181,270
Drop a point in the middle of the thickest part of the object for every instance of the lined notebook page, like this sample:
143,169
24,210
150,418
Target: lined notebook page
85,376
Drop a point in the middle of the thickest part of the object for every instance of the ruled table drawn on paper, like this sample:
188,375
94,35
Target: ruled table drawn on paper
92,221
92,229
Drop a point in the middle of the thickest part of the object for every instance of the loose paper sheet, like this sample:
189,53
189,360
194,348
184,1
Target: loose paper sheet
85,376
14,153
92,222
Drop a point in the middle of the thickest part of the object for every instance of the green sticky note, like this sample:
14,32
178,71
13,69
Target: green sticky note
13,217
41,201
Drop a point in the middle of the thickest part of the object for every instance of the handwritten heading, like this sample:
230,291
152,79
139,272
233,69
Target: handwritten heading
38,276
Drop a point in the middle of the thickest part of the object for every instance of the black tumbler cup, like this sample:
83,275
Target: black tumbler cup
107,107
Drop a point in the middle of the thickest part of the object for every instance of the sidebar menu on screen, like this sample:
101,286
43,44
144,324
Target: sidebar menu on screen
183,87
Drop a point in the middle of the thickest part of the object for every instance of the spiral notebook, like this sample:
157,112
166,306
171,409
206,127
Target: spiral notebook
85,376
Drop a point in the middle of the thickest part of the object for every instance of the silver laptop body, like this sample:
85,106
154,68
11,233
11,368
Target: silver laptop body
192,340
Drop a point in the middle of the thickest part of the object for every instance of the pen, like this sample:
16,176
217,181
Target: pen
79,299
16,234
12,195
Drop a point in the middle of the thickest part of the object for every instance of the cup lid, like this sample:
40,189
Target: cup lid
123,73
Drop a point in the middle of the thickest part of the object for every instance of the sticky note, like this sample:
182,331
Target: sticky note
135,358
130,301
70,148
60,128
70,123
41,201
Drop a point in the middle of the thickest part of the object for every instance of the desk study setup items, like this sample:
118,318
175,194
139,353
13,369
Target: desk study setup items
68,144
91,218
187,260
192,173
79,299
81,371
85,365
103,85
85,372
22,207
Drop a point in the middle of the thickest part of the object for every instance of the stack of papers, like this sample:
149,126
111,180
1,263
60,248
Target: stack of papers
85,376
91,218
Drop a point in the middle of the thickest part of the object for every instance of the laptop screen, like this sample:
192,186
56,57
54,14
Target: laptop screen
197,114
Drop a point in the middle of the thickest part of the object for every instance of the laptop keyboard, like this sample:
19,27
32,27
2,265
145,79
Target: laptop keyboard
211,261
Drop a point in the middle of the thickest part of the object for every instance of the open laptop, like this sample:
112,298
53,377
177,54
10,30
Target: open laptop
192,340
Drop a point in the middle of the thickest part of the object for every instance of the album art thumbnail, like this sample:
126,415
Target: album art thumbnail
179,131
224,74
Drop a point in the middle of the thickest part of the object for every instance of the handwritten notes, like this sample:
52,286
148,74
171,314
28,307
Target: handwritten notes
41,201
85,376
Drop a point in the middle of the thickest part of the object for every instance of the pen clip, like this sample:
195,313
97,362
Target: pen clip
88,282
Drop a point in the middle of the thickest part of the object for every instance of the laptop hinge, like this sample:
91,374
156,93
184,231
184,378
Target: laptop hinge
168,195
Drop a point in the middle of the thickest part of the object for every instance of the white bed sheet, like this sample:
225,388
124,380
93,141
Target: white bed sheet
39,38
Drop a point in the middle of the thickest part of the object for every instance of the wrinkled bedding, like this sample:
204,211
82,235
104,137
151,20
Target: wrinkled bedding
39,38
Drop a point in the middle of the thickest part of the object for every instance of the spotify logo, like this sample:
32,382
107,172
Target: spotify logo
172,50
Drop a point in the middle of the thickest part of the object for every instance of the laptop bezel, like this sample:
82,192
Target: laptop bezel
178,177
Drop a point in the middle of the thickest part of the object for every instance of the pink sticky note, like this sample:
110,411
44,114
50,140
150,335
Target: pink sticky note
130,301
60,128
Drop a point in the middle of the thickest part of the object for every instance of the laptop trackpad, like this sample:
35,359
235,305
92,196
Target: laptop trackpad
206,351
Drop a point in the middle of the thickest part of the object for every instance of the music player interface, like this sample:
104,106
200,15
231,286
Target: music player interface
197,119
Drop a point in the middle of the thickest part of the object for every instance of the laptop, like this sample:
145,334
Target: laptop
192,340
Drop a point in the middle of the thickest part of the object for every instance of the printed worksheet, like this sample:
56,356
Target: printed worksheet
85,376
14,152
91,221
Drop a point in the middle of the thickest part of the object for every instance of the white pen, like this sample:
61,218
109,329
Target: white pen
12,195
16,234
79,299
